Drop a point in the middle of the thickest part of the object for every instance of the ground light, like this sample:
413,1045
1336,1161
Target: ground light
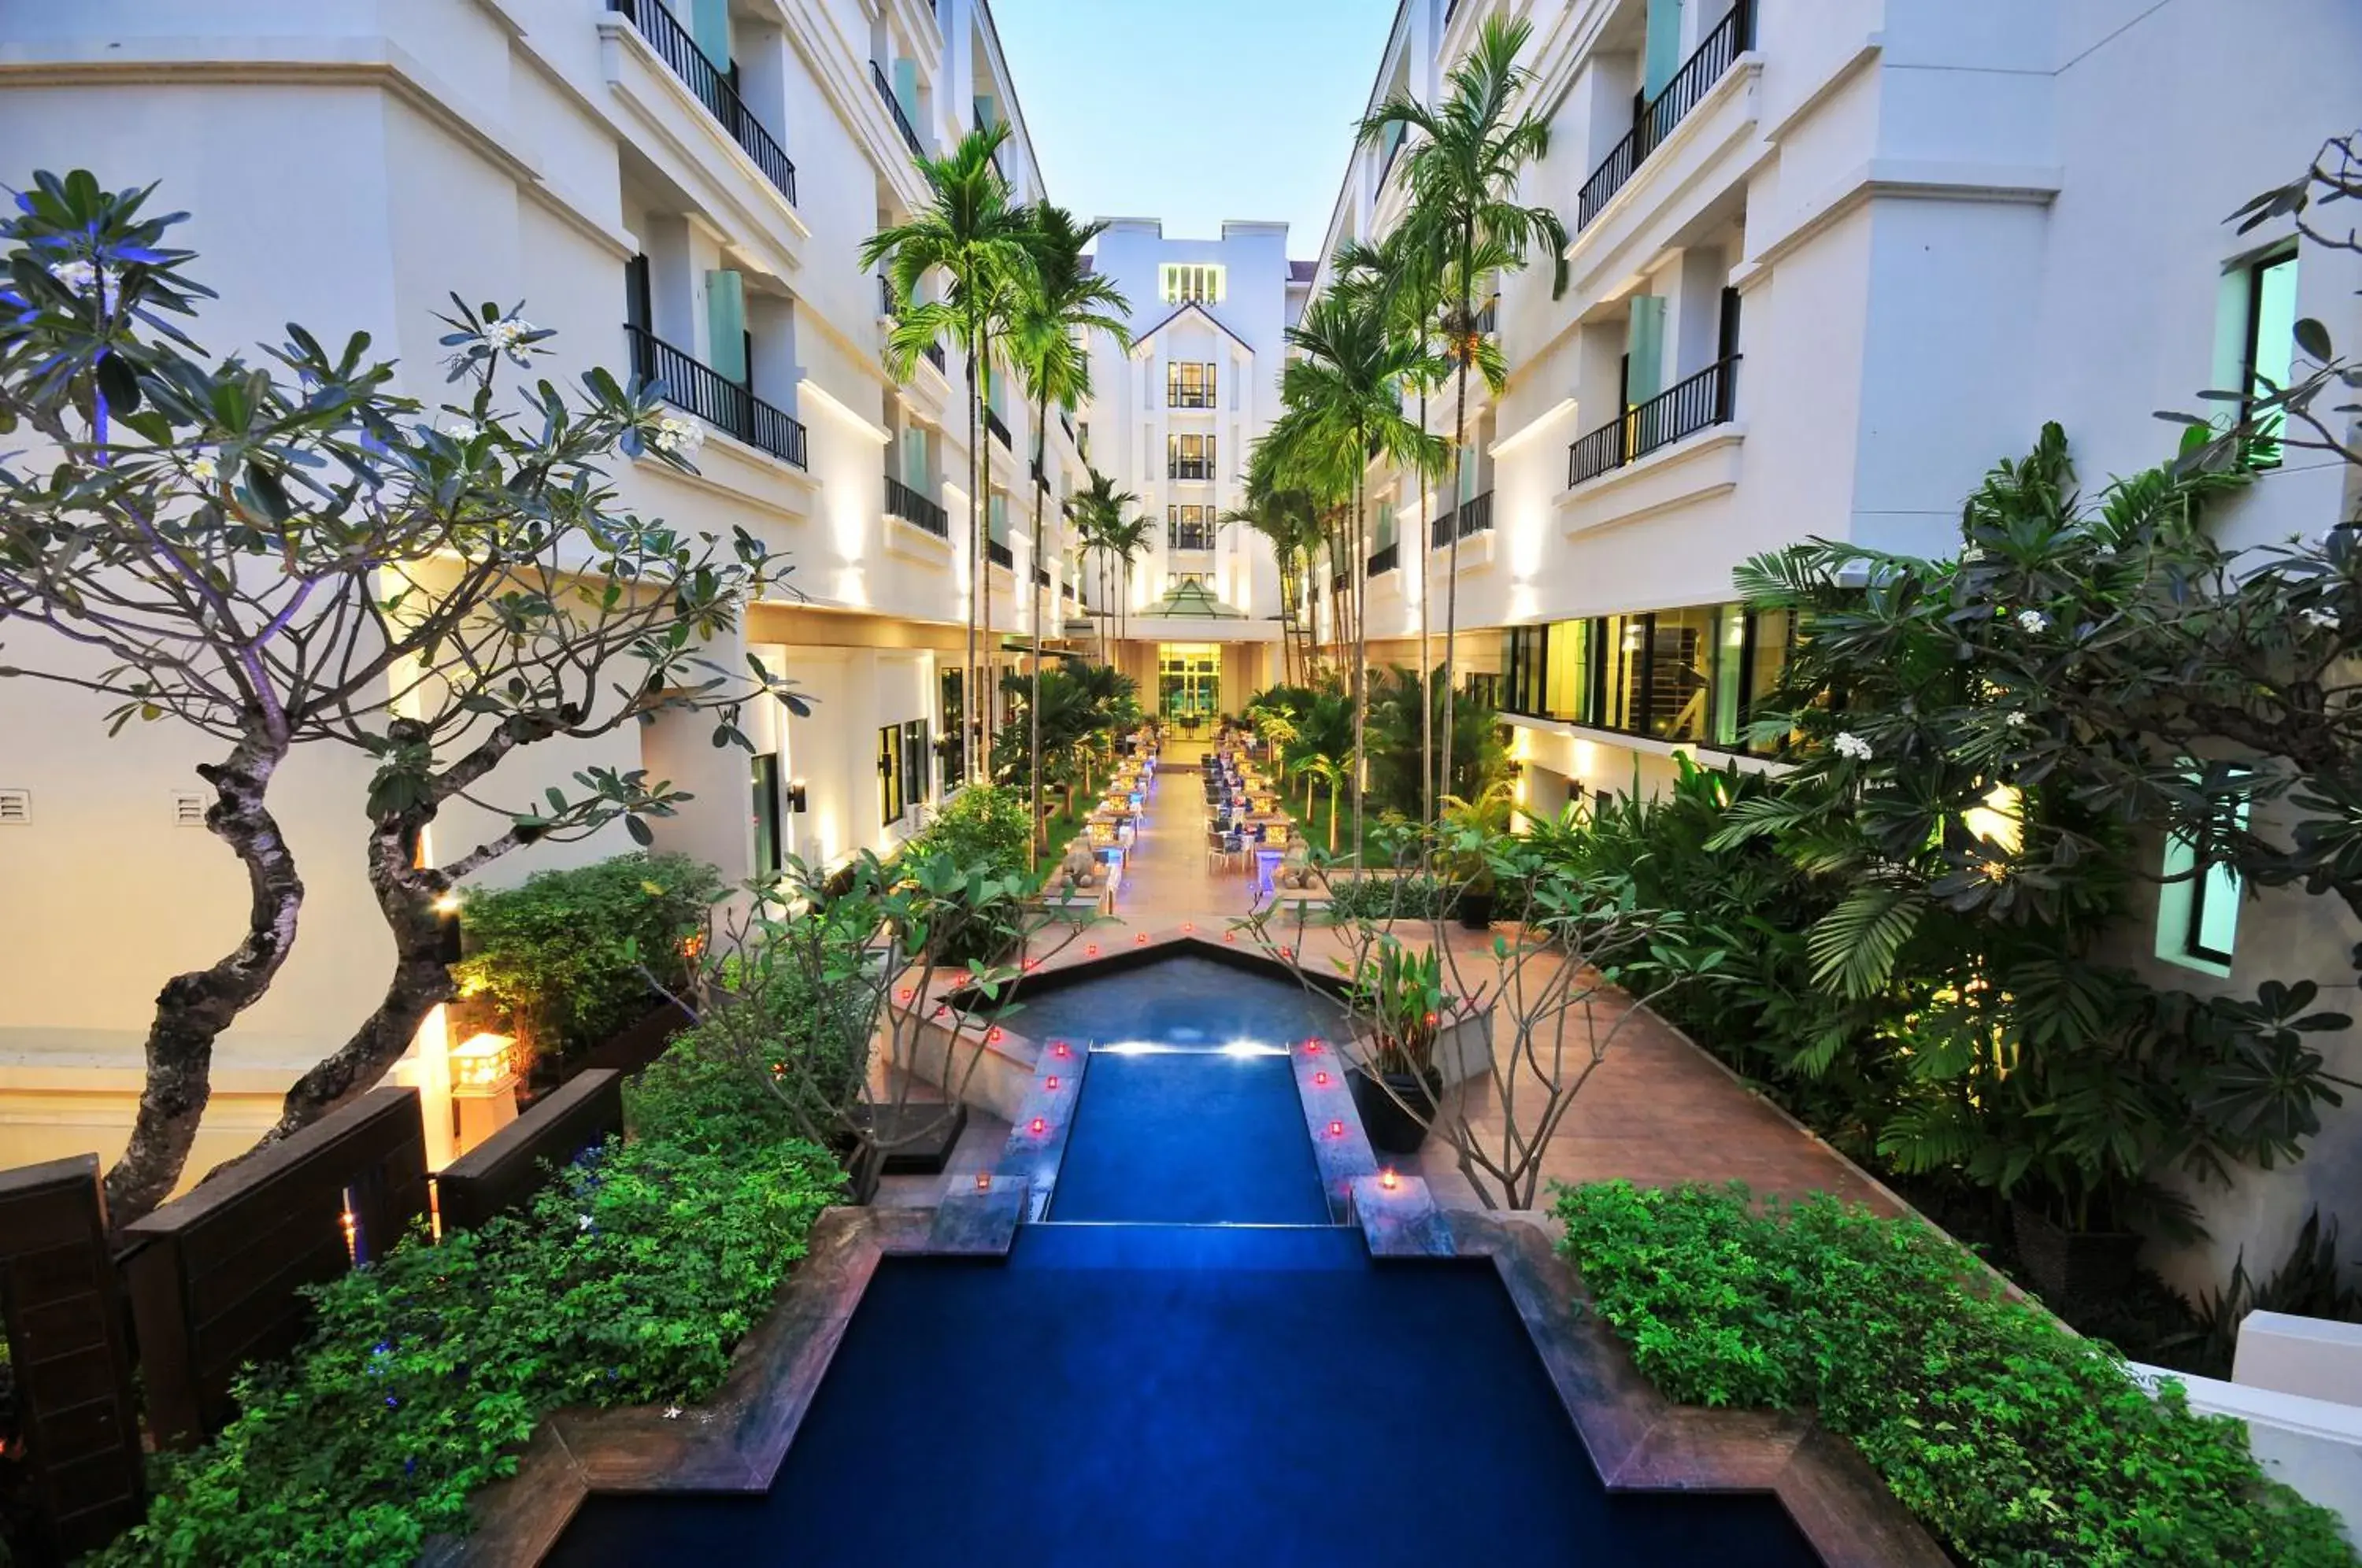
1387,1179
1320,1080
1050,1083
1336,1129
1039,1126
984,1181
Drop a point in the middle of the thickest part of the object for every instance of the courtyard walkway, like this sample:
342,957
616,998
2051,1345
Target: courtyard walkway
1658,1110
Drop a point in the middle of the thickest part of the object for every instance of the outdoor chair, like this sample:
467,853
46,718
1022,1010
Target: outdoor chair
1219,848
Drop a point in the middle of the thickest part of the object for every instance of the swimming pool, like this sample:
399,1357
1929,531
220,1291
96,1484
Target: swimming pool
1184,1363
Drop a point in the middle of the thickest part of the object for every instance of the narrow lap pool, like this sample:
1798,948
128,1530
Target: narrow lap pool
1138,1384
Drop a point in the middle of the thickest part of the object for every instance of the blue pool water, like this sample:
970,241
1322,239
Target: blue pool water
1185,1365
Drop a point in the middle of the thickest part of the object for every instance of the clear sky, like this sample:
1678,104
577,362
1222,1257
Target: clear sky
1195,112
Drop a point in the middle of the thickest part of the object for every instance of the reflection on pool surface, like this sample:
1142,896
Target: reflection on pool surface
1135,1385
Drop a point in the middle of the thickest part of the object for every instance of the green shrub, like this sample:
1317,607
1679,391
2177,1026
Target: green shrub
982,827
628,1281
705,1091
555,957
1390,897
2015,1440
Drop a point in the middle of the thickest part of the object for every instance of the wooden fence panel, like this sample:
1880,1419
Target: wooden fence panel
507,1167
216,1276
62,1308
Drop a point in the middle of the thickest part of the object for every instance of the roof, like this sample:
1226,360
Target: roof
1190,601
1302,271
1140,337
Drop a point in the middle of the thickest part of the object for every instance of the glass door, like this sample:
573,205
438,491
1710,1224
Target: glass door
1189,684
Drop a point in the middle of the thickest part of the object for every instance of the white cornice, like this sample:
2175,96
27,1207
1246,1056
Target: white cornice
1901,179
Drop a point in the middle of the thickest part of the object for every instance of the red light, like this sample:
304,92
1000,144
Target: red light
1091,950
1336,1129
1288,952
1058,1048
1032,965
1320,1080
984,1181
940,1009
1430,1019
1387,1179
1229,936
903,994
1188,925
992,1035
1312,1048
1050,1083
1141,940
1039,1127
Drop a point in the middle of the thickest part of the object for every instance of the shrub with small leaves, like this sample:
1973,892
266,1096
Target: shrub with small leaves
2015,1440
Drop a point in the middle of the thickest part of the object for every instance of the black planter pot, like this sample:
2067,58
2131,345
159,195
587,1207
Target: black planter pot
2074,1268
1392,1130
1475,910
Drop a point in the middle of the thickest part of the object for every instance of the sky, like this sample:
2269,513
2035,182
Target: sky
1197,111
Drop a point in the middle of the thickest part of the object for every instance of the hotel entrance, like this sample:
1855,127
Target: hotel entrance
1189,687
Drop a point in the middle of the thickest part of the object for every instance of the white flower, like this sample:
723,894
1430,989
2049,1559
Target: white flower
672,1412
1973,555
78,276
2321,620
507,336
204,469
2018,720
680,437
582,1222
2033,621
1852,745
462,429
2106,552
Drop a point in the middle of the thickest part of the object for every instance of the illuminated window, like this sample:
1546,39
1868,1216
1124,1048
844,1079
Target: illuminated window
2198,907
1189,527
1189,457
2269,352
1188,384
1189,283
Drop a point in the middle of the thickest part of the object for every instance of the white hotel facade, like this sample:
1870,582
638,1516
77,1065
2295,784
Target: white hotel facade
681,191
1828,261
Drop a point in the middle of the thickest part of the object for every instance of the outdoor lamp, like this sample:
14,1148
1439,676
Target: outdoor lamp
481,1067
796,797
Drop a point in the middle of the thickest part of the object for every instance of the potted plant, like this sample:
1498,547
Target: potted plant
1468,828
1397,1086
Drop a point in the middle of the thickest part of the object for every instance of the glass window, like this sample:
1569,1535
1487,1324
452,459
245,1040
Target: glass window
953,715
1188,384
1568,676
2211,928
1680,672
1184,284
918,777
765,783
1730,675
1189,457
889,774
1624,648
2270,346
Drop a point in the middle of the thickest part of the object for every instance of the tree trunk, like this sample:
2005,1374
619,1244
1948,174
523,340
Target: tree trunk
405,896
1033,707
192,1009
977,564
1360,662
987,684
1426,673
1460,457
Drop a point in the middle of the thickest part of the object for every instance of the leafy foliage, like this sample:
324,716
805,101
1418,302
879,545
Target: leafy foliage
2015,1440
557,958
627,1281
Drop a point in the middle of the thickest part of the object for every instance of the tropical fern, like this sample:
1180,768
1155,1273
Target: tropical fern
1855,946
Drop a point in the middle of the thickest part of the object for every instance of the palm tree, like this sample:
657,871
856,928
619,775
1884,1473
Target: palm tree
1095,509
1290,520
1054,312
1127,538
971,233
1463,178
1342,399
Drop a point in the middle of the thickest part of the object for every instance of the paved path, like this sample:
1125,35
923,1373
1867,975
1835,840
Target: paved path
1658,1110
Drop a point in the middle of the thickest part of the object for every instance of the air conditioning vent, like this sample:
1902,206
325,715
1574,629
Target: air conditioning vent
188,808
15,808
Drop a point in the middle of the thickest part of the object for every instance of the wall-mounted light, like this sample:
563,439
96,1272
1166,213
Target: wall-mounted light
446,921
796,798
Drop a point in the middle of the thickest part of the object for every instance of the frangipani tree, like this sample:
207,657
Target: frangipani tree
288,553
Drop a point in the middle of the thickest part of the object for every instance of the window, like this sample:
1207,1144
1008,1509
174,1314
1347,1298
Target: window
1189,527
1184,284
1190,384
918,777
953,716
1189,457
765,783
1681,671
2267,354
1695,674
891,804
2198,907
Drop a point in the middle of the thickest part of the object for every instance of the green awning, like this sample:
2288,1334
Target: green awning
1189,601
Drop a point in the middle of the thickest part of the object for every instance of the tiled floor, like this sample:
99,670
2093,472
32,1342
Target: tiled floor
1658,1109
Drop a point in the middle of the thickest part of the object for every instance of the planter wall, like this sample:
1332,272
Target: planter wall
510,1165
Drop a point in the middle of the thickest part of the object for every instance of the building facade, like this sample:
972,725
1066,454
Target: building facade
1828,261
682,191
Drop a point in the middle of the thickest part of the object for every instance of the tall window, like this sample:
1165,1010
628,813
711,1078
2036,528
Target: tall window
765,784
952,715
918,777
1698,674
1189,527
1186,283
1189,457
2198,907
890,803
2270,350
1190,384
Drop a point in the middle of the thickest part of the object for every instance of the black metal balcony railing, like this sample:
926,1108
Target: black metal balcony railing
1392,152
992,422
1188,537
1731,38
704,391
1190,469
916,510
1190,397
1683,409
884,294
1475,517
901,118
1488,320
936,357
711,86
1386,558
999,554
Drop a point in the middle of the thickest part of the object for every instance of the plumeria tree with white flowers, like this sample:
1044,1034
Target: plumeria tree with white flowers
285,551
1970,784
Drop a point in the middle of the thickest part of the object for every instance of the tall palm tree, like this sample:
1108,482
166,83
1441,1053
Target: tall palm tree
1095,509
1127,538
1462,177
972,233
1053,312
1341,410
1289,519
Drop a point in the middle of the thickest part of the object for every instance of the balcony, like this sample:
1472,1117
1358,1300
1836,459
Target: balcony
1684,409
1731,38
1190,397
1188,537
993,422
884,294
901,118
1488,319
713,87
1386,558
916,510
1041,576
1475,517
998,553
936,357
1189,469
704,391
